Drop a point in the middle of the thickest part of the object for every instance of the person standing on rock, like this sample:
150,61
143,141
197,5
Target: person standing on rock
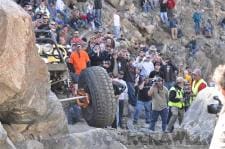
144,100
116,25
163,11
159,94
80,60
168,71
98,13
218,140
176,103
198,83
197,18
173,27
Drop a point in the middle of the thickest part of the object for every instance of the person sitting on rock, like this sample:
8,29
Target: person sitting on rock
193,46
208,29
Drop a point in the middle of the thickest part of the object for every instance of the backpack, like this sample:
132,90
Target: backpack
170,4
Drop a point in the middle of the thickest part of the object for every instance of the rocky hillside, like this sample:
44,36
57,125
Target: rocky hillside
147,28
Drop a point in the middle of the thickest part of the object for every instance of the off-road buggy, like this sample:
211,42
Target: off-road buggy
97,98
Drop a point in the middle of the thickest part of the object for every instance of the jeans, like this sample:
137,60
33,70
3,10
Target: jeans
154,117
197,28
164,17
119,113
131,94
116,31
98,18
169,84
176,114
140,104
146,8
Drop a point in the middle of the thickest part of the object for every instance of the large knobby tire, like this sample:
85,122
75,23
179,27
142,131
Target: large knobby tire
102,108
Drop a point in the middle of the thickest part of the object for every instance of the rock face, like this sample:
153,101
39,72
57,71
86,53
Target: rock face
198,123
25,91
93,138
5,142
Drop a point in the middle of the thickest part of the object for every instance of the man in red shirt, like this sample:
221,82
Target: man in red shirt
198,82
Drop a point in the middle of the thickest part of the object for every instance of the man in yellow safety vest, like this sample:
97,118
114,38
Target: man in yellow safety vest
176,103
198,83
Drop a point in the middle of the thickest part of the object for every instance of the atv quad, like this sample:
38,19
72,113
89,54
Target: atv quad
95,88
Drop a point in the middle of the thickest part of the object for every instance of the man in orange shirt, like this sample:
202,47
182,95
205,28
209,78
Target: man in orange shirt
79,60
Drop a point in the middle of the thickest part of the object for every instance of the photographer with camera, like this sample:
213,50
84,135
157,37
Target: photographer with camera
176,103
159,94
218,140
144,100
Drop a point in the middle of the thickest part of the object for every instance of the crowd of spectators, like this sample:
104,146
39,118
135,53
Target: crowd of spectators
147,77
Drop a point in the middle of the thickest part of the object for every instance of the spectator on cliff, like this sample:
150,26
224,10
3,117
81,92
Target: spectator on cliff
146,6
173,27
52,11
98,13
163,11
193,46
42,8
62,9
116,25
208,29
197,18
170,7
91,15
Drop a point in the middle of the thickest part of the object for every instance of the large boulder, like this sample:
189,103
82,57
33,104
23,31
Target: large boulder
198,123
25,91
5,142
24,77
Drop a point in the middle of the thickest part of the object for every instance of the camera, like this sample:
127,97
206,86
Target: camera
215,108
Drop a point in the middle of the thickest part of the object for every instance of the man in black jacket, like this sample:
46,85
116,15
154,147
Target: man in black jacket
144,100
168,72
